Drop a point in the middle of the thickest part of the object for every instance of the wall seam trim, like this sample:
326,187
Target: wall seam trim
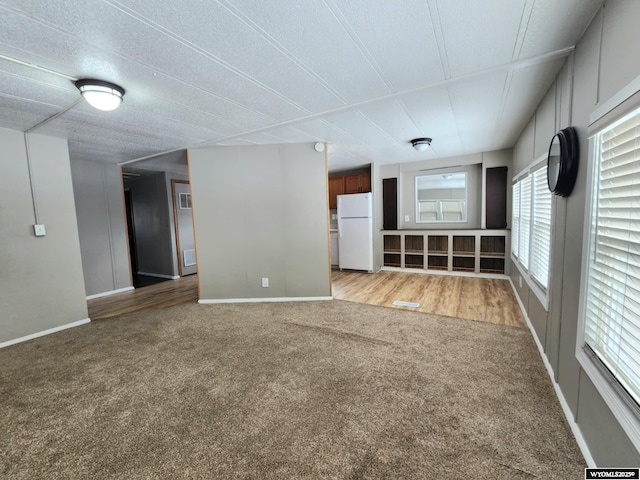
105,188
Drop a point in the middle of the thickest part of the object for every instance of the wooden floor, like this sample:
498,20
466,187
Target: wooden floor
487,300
483,299
160,295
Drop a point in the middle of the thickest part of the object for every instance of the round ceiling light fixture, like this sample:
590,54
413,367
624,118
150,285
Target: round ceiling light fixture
100,94
421,144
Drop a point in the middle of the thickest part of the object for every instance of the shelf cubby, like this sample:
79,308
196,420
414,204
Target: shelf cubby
414,243
438,244
392,260
437,262
412,260
464,264
464,245
392,243
492,246
492,265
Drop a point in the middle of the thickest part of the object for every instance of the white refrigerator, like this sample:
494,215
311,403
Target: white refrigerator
355,231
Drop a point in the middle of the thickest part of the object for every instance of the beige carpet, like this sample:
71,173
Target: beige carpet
326,390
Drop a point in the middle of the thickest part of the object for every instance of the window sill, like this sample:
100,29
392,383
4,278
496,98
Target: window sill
626,417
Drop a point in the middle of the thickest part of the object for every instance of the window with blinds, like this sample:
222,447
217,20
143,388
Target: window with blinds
541,228
525,220
515,220
611,307
531,227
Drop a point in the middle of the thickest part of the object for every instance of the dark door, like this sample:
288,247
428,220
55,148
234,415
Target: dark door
131,231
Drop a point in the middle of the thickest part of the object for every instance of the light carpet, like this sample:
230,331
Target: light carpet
326,390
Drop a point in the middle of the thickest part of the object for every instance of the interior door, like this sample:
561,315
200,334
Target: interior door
185,240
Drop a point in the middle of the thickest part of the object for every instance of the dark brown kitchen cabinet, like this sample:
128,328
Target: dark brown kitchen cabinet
336,187
354,183
357,183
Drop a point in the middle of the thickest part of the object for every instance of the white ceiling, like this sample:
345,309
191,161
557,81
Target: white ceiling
366,76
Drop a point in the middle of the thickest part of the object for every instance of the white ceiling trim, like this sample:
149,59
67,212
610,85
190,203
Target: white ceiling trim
38,67
436,24
509,66
503,103
522,30
200,51
344,23
278,46
452,105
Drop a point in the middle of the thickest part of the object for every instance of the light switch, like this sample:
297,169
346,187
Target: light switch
265,282
406,218
39,230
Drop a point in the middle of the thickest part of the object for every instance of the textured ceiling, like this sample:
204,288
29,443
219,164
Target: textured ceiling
365,76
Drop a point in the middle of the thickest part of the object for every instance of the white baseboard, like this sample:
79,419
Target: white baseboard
575,428
44,332
111,292
159,275
262,300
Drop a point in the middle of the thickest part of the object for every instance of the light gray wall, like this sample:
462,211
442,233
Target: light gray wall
97,189
261,211
475,165
600,67
41,283
407,193
155,245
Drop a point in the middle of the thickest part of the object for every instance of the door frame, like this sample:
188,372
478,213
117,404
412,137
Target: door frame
175,220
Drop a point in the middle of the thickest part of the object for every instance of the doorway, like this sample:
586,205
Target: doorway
183,223
133,255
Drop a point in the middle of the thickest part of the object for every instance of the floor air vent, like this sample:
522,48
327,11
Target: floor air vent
400,303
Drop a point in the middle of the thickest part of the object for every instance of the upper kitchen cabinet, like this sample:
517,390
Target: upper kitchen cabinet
336,187
357,183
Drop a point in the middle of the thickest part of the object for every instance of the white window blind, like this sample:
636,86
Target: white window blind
515,220
612,303
524,231
541,228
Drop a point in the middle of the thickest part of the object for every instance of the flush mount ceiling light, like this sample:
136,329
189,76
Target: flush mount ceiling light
421,144
100,94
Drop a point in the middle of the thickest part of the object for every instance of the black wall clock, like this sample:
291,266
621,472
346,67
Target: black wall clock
562,162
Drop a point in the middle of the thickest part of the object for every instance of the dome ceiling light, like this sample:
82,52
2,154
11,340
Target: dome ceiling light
102,95
421,144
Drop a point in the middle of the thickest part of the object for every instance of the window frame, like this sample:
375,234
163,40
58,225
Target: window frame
540,291
439,212
540,174
625,413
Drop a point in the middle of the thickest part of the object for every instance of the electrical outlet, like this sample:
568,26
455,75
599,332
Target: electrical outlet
39,230
265,282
